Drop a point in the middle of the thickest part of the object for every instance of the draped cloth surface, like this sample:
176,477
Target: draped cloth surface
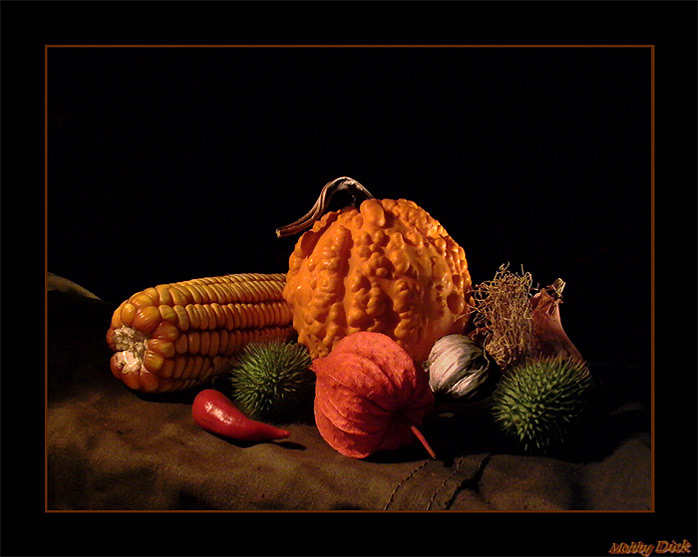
112,449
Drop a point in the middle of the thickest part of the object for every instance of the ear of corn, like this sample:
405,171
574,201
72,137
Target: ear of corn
179,335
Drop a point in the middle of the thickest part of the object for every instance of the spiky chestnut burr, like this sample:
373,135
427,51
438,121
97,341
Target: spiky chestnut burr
272,380
540,401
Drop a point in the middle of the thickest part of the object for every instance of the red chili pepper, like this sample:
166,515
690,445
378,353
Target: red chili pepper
216,413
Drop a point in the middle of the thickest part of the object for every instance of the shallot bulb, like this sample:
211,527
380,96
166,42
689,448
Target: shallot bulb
458,368
548,335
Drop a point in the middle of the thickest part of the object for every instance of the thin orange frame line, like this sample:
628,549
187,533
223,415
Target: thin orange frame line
652,222
386,45
45,278
652,278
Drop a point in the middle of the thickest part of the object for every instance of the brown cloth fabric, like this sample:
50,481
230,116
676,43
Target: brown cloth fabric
111,449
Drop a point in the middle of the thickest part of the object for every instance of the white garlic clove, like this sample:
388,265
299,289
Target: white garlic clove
457,367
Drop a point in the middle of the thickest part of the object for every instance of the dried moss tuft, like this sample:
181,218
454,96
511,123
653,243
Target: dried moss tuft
503,316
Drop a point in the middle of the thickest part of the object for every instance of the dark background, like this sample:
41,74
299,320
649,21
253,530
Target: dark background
166,164
539,157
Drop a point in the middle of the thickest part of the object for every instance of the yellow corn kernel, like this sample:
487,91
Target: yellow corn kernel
161,347
167,313
141,300
127,313
146,319
165,331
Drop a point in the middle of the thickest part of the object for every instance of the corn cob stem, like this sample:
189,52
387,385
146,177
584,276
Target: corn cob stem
179,335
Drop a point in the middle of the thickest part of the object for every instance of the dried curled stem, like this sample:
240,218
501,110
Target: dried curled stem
343,183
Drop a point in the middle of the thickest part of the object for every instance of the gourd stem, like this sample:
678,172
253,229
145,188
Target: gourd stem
343,183
422,440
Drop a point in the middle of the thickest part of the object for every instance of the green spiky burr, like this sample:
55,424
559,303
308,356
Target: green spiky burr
272,380
539,402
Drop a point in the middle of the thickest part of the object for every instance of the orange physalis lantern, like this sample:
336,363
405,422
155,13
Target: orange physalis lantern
370,396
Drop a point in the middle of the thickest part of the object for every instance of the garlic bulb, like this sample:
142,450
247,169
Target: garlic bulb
458,368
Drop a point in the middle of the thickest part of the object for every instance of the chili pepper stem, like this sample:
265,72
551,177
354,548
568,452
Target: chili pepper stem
422,440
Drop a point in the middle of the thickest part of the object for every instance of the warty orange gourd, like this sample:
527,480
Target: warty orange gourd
386,266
